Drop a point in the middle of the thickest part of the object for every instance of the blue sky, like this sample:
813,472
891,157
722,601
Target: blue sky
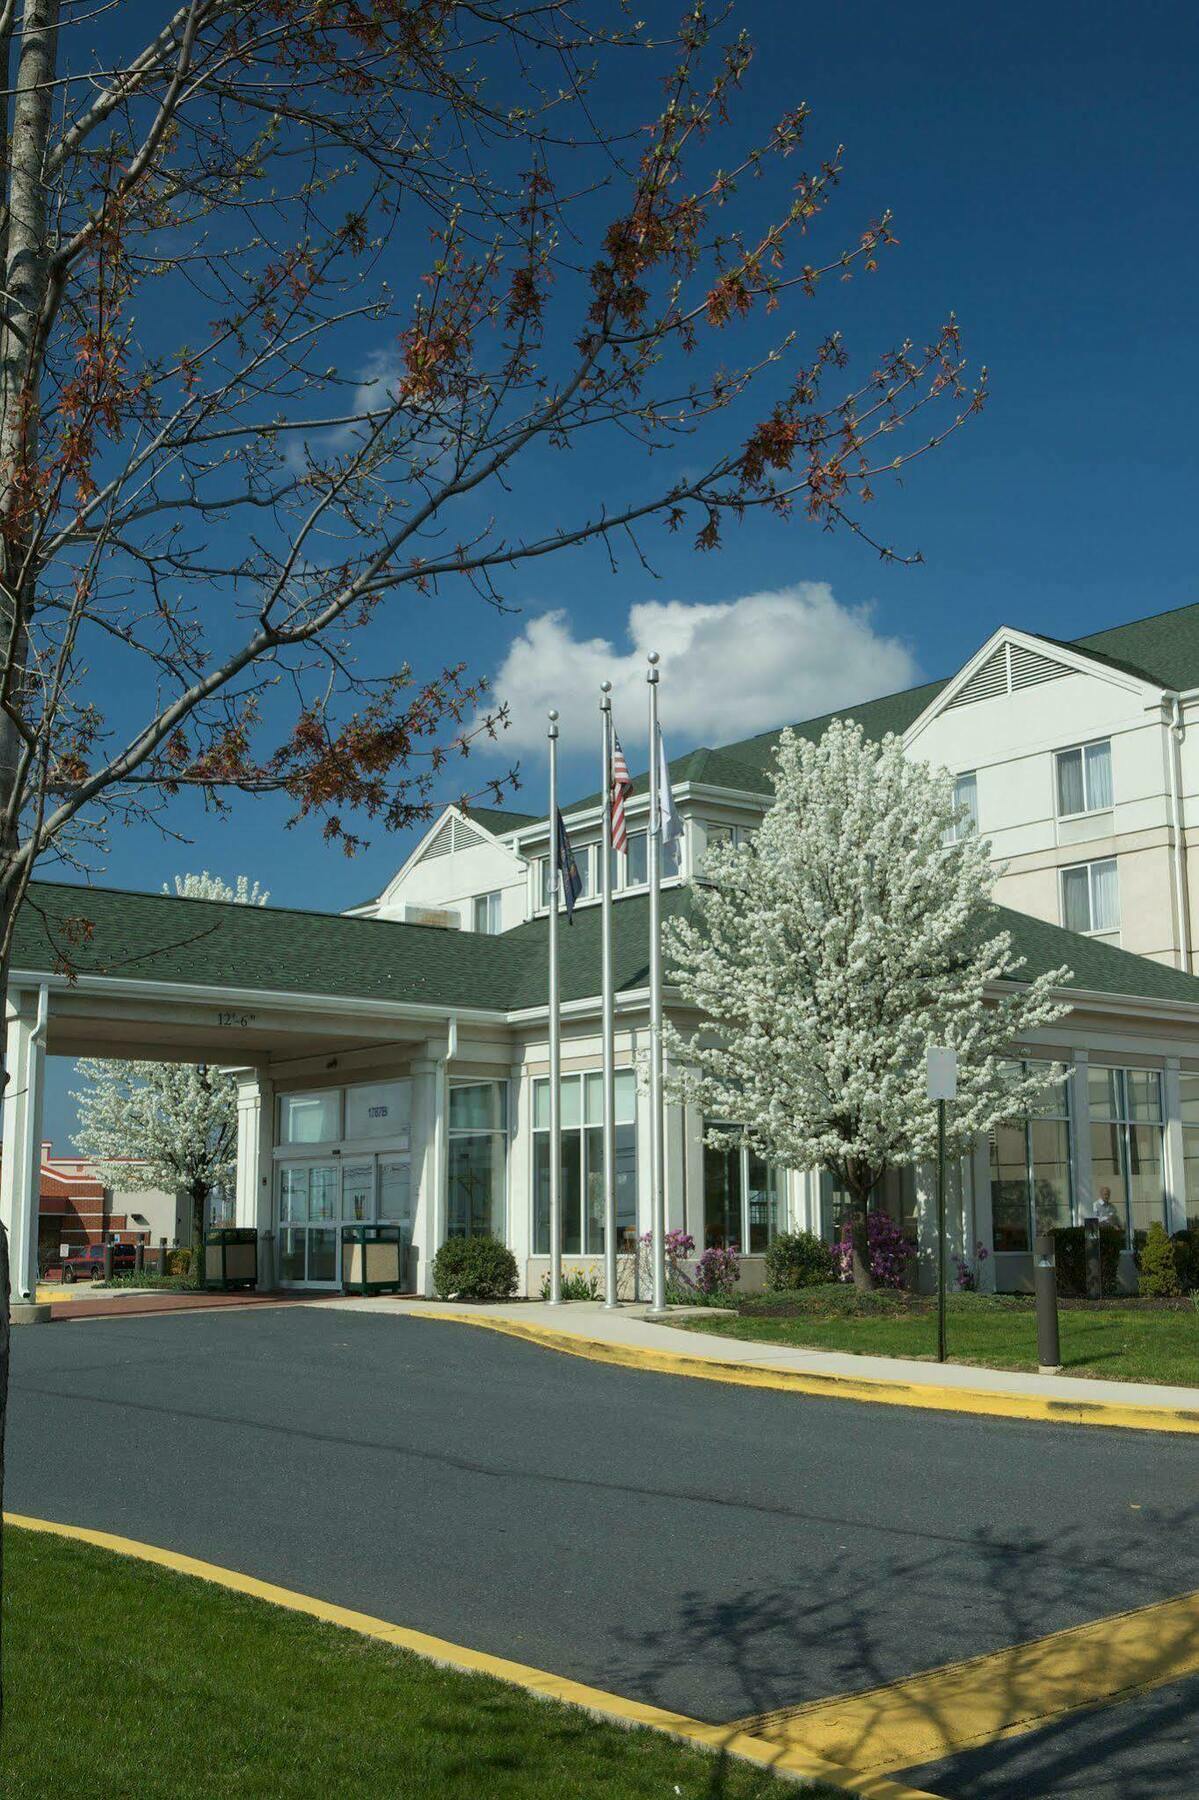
1041,166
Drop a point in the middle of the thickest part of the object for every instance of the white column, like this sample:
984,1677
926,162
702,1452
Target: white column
20,1167
428,1130
253,1206
1175,1171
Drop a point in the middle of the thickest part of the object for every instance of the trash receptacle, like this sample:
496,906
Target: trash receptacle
231,1258
374,1259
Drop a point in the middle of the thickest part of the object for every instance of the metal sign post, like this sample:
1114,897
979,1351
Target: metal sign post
942,1086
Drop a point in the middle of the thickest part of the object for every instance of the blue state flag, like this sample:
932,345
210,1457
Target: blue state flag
568,868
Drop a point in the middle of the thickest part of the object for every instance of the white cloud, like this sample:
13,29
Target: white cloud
729,668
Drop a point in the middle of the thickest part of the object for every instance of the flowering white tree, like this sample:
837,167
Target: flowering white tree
176,1121
826,955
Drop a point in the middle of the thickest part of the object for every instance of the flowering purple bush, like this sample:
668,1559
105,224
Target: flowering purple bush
889,1251
718,1271
968,1272
680,1289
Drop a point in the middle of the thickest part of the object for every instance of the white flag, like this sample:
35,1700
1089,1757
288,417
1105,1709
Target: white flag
672,825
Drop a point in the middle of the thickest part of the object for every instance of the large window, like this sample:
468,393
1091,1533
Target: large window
1091,897
965,800
895,1195
485,913
1031,1187
1084,779
581,1183
741,1197
478,1159
310,1118
1189,1106
1127,1160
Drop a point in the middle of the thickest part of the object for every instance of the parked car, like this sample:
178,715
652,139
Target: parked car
88,1263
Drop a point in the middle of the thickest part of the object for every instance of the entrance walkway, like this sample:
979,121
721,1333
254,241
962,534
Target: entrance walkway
628,1335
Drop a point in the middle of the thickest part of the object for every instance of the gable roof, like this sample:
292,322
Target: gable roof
1163,649
271,949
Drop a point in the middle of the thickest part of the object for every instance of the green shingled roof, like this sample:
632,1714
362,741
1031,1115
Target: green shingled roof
499,822
211,943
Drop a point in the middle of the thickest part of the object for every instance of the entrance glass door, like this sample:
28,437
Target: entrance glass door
309,1238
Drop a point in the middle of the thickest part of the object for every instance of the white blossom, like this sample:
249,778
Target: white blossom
211,887
827,954
175,1121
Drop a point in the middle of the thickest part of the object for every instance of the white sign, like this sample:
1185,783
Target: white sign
942,1073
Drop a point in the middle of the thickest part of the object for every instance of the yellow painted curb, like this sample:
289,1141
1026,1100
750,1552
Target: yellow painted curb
879,1391
785,1760
926,1718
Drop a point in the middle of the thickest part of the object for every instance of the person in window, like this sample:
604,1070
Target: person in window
1105,1212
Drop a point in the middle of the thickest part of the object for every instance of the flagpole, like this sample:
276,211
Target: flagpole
555,1035
654,847
608,1005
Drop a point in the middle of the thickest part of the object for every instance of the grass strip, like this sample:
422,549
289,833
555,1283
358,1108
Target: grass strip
122,1679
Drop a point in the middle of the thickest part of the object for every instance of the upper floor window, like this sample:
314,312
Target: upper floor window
485,913
965,800
634,864
1084,779
734,835
583,862
1091,896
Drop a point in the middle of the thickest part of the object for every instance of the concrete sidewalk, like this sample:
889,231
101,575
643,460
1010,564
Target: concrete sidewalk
628,1333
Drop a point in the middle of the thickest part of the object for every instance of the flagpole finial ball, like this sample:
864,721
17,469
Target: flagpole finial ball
553,715
605,687
654,658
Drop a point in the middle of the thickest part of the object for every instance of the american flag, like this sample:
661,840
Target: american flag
621,785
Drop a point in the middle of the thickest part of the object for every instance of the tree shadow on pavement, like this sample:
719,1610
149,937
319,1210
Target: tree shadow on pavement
780,1648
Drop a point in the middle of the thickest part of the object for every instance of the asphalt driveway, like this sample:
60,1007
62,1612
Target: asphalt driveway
716,1550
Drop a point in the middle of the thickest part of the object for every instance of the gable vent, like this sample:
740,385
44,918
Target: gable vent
986,682
454,834
1007,669
1028,667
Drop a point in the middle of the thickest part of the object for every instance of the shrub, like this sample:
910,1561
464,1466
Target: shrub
474,1268
1069,1243
1186,1258
1156,1265
889,1250
179,1262
797,1259
718,1272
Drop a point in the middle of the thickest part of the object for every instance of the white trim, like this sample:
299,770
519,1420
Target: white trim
1077,662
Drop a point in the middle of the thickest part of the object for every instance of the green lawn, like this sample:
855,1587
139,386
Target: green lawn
121,1679
1123,1342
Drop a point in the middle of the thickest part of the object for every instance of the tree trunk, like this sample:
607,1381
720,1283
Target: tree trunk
863,1275
5,1325
199,1196
859,1181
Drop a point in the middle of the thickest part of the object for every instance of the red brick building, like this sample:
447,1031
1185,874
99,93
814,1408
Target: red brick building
76,1208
